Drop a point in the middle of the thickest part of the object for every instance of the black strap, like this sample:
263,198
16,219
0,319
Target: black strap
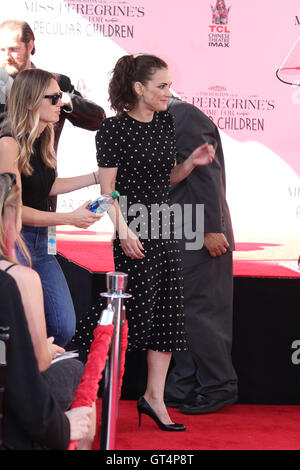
10,266
6,134
5,270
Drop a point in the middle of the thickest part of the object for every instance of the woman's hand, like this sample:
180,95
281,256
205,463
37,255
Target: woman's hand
132,246
203,155
53,348
83,217
80,422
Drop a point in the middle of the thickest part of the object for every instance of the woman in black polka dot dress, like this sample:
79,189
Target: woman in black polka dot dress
136,155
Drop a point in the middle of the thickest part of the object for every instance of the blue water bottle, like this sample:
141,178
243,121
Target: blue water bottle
103,203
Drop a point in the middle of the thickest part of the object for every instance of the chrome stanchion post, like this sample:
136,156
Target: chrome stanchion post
116,283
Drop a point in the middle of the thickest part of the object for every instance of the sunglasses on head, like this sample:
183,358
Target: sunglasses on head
55,97
10,186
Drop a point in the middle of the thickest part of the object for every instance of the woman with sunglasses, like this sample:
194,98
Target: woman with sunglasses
35,411
26,149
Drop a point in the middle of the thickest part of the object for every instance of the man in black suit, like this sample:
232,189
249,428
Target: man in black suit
203,379
16,48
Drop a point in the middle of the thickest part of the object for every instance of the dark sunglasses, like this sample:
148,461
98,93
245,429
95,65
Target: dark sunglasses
10,186
55,97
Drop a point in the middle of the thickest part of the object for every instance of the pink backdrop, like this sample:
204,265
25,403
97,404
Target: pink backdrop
228,70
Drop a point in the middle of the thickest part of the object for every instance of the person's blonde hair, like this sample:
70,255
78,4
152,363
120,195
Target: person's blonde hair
26,94
10,198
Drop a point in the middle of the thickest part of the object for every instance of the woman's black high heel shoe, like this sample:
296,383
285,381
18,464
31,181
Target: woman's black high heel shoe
144,407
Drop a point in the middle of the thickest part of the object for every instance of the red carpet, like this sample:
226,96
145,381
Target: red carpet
272,256
93,256
236,427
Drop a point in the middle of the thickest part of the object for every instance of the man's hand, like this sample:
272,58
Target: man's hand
216,243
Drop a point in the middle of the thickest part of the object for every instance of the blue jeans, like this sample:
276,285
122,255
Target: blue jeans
58,304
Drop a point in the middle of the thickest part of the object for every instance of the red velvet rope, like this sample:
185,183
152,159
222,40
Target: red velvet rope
87,391
124,343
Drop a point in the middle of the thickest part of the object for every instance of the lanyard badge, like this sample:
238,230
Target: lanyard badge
52,240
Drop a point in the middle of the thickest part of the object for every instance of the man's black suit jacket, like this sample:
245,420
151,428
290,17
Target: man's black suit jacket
205,184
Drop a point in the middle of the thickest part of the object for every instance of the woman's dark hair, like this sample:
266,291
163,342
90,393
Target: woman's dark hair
128,70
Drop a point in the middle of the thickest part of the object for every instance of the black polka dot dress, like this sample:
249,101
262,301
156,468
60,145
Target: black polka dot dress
144,154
